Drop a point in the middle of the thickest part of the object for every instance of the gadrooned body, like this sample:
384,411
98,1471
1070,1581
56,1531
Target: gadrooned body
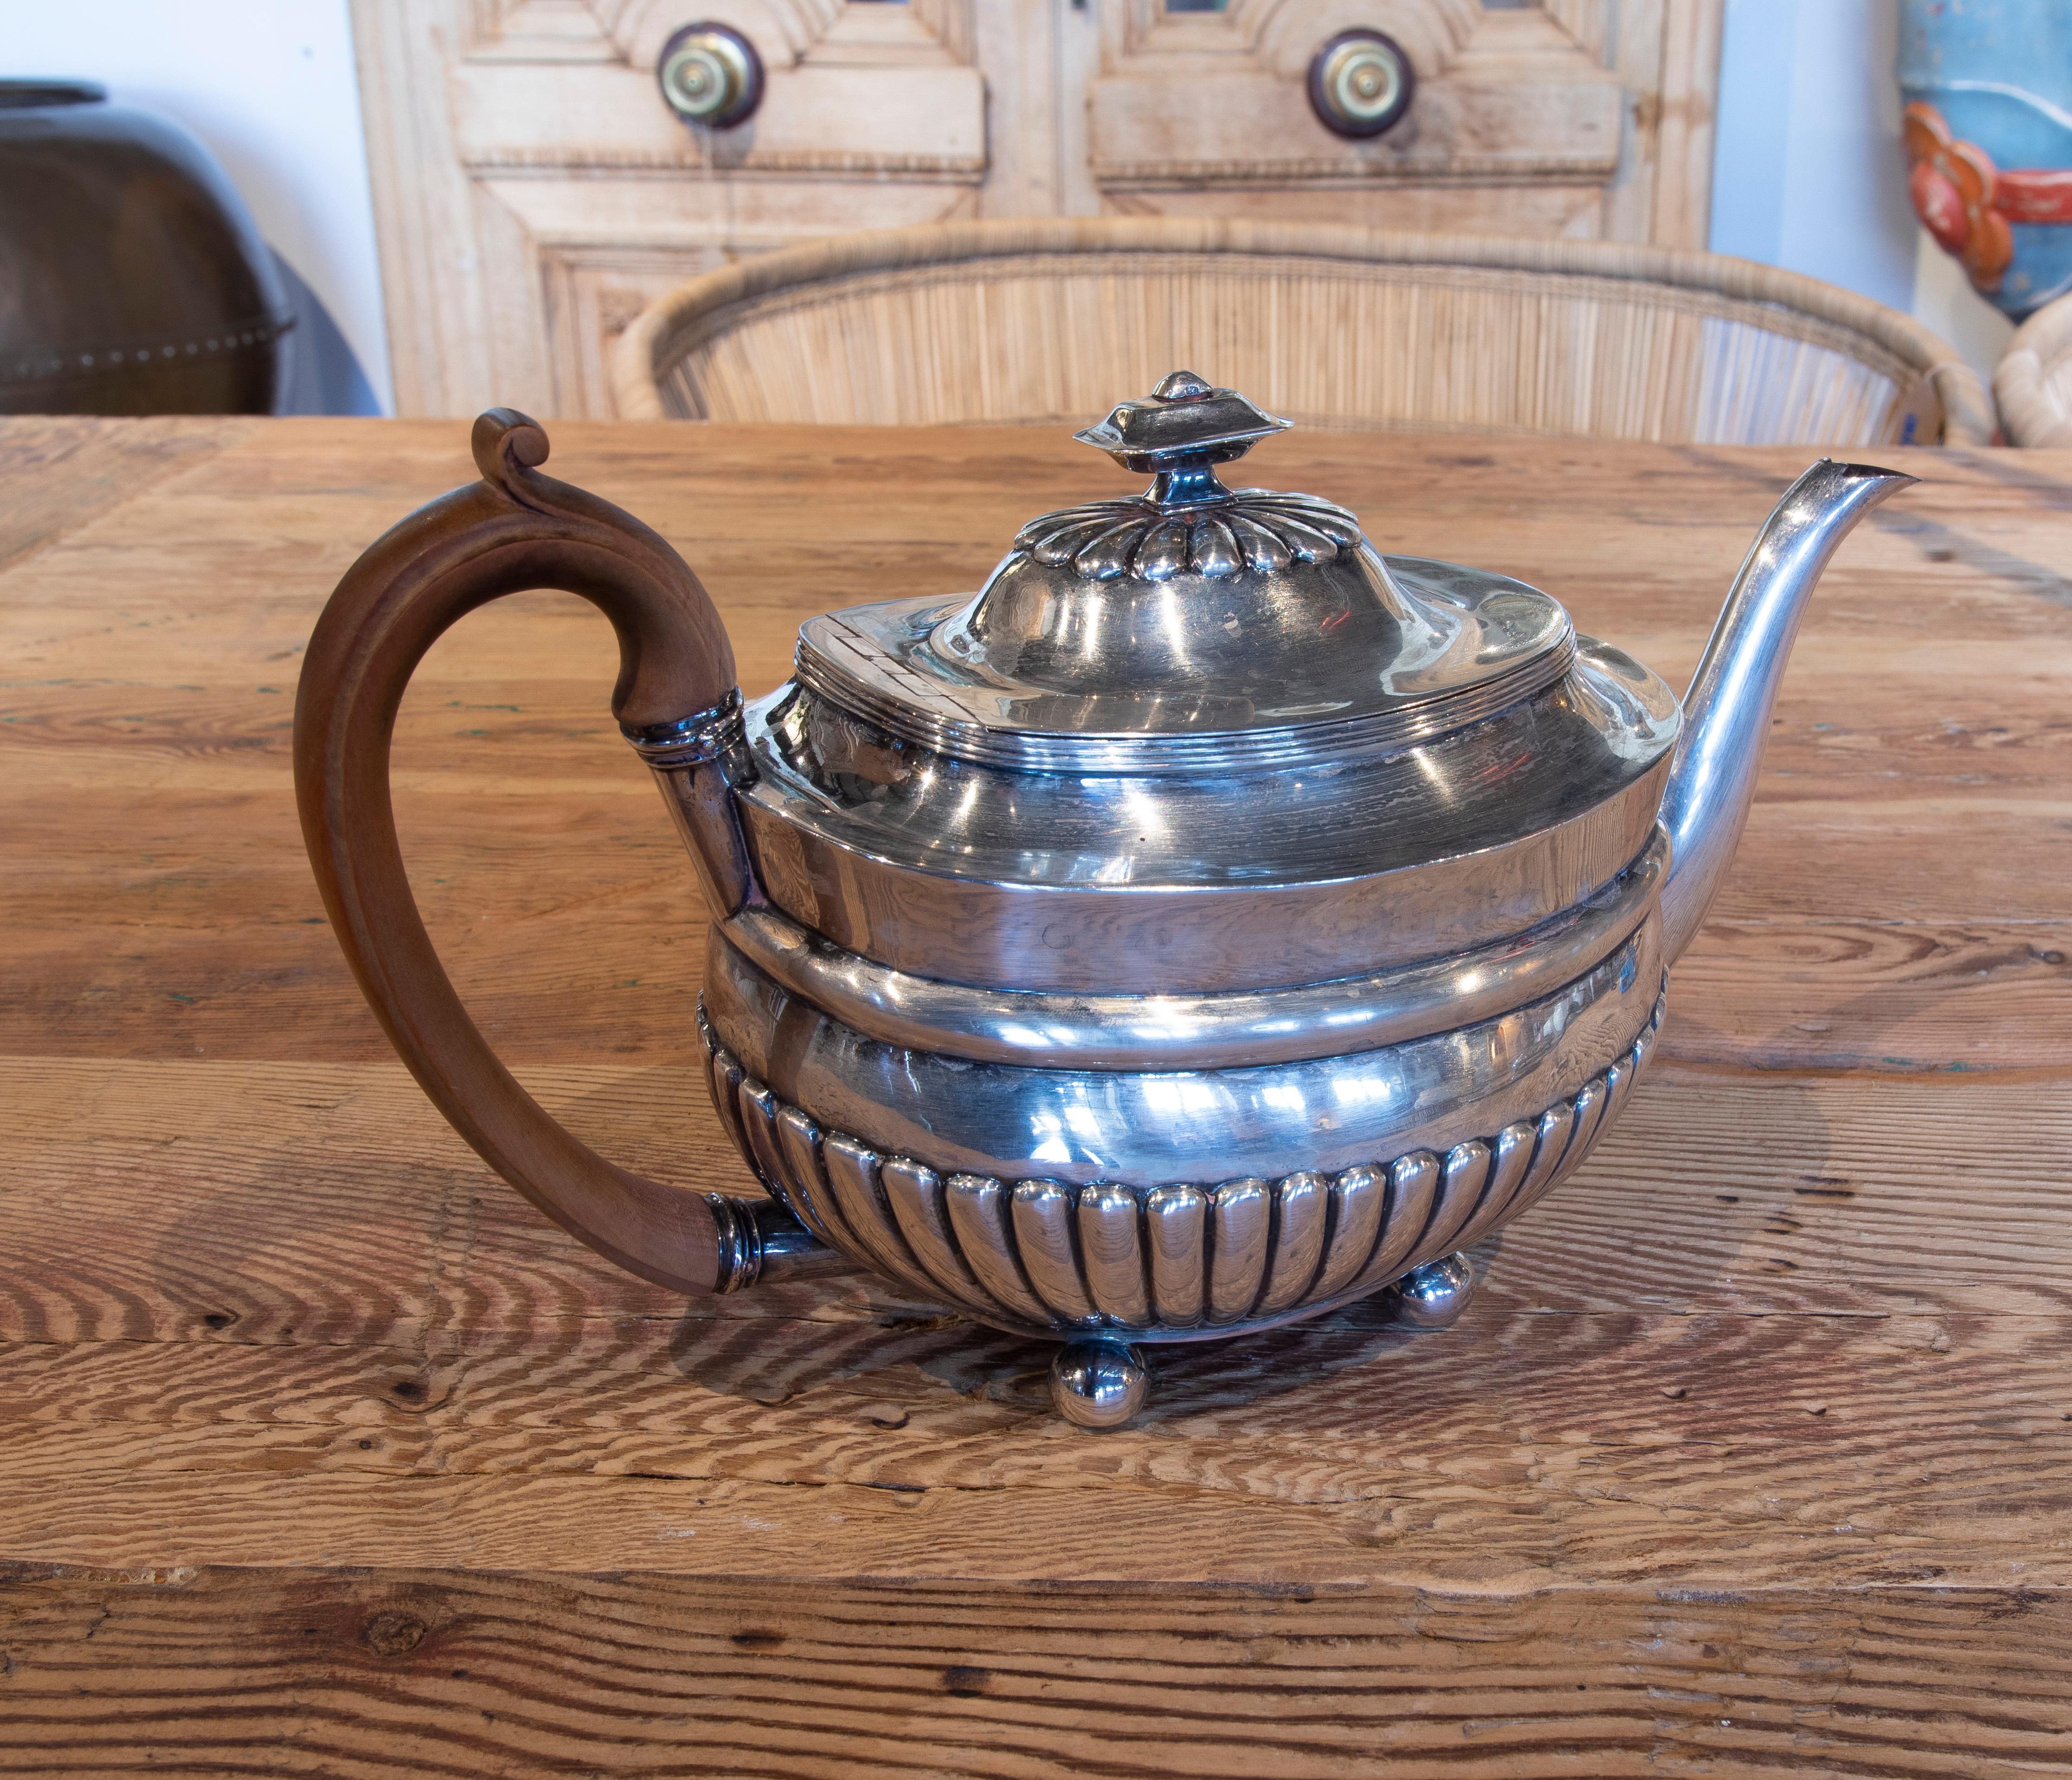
1173,1204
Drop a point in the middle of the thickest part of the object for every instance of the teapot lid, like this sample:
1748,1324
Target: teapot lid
1192,627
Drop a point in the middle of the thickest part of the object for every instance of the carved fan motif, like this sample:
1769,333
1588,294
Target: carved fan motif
1256,529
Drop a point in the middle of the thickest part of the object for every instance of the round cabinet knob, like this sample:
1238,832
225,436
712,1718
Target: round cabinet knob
1361,83
710,75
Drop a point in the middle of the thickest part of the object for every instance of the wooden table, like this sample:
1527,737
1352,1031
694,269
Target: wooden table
321,1452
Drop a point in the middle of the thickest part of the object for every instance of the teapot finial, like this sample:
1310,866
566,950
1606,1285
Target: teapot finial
1180,434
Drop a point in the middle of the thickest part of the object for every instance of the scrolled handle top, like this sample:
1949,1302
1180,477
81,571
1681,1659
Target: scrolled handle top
506,445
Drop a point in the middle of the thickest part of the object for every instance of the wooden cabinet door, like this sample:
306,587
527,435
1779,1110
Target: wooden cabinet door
533,192
1586,118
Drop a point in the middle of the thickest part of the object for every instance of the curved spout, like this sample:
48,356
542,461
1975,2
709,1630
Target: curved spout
1726,712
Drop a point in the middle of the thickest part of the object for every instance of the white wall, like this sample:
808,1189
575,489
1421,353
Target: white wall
269,86
1807,171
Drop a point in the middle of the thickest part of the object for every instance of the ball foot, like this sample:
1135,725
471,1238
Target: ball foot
1433,1296
1098,1384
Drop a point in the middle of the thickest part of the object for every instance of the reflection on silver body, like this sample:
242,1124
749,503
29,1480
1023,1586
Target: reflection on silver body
1191,882
1147,1127
1211,921
1122,1031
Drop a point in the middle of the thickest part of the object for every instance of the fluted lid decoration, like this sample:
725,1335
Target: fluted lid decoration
1192,627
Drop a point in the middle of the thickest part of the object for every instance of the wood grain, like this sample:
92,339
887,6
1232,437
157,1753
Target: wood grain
345,1674
320,1452
64,469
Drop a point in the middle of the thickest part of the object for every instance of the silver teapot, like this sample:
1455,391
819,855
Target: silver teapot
1209,921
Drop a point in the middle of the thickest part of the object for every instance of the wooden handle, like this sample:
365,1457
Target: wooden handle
512,531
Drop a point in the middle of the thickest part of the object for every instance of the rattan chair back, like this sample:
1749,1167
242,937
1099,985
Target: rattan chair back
1054,320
